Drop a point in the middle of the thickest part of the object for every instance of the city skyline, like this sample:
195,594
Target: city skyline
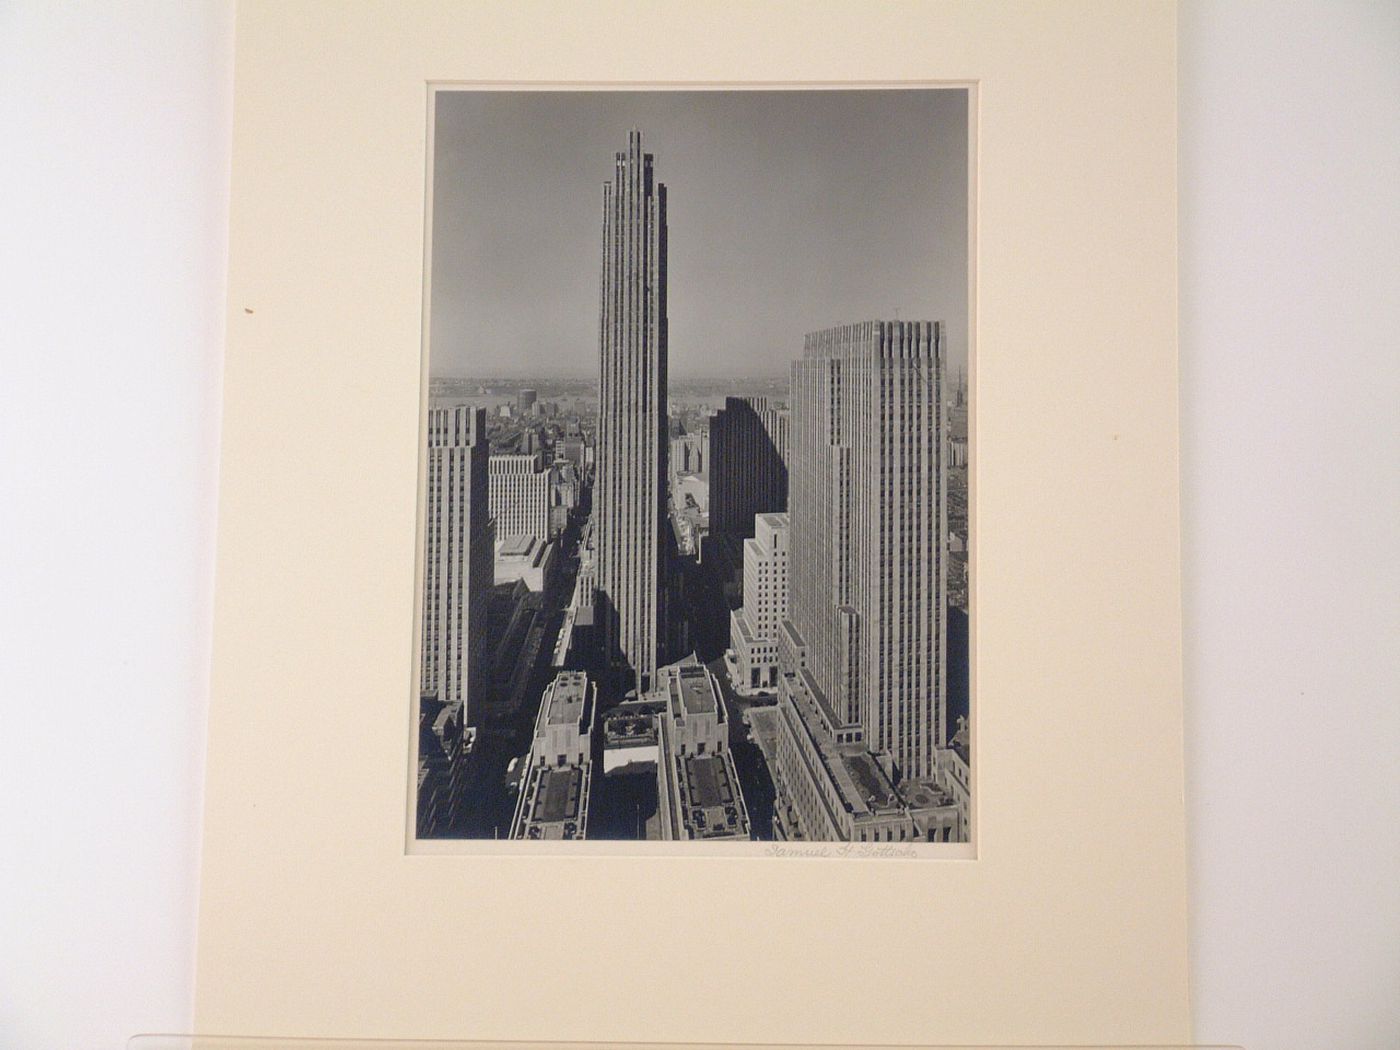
773,190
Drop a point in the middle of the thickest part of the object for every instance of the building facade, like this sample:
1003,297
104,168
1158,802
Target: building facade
754,627
632,443
457,558
747,463
863,750
869,513
520,495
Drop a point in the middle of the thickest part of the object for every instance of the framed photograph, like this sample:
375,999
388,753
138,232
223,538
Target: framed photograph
633,422
699,498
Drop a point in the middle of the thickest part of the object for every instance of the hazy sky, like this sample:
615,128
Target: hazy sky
788,211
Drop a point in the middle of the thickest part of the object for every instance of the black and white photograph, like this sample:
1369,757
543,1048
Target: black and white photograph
695,465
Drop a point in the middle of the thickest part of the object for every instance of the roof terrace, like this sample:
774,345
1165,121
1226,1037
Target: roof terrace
925,794
691,691
711,804
864,788
629,728
873,787
515,546
568,698
555,805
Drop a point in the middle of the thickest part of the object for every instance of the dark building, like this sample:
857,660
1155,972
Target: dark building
748,463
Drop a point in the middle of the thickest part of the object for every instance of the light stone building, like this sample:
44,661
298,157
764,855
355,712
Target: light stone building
629,497
698,791
457,559
862,694
528,559
690,454
520,495
754,627
556,788
869,514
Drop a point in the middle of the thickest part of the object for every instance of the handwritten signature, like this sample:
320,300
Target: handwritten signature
859,850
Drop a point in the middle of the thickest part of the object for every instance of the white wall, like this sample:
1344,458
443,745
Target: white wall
112,204
114,129
1290,411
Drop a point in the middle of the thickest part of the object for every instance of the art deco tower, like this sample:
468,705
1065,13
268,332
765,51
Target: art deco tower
868,513
630,493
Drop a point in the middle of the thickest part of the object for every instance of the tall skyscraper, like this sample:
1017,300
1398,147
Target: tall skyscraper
868,520
748,463
630,494
457,558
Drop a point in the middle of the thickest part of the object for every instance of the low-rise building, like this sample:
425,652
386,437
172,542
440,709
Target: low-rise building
529,559
630,737
697,785
555,789
832,787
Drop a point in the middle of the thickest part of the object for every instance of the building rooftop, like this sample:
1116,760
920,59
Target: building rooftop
789,630
864,788
554,804
711,804
692,690
820,704
875,788
515,546
889,340
738,619
516,463
629,728
925,794
568,698
557,796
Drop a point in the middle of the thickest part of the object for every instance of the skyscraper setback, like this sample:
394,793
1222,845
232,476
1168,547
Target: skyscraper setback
630,495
